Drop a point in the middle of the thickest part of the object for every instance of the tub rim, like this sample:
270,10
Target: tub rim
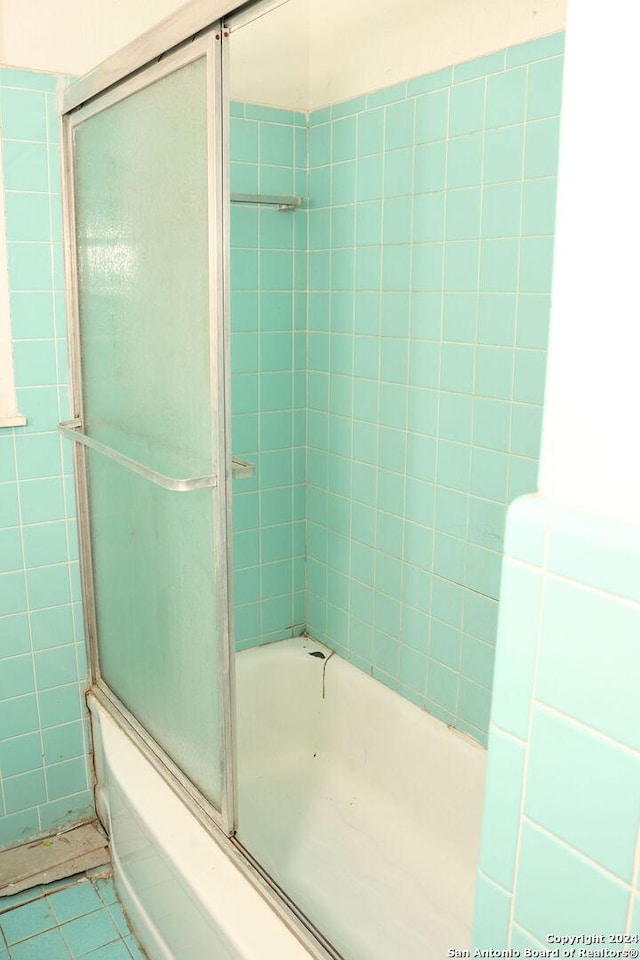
297,922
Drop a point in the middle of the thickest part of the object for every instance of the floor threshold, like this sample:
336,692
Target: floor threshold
52,858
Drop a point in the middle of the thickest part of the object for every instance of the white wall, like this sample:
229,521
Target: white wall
270,58
361,45
591,437
374,43
72,36
304,55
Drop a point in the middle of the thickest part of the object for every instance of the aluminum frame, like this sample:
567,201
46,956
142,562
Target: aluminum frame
154,55
224,266
207,46
220,334
240,468
160,479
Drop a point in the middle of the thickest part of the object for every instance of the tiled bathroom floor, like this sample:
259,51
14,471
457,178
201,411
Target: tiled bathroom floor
67,920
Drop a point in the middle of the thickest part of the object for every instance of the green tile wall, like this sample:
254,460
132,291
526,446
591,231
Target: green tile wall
44,777
560,843
268,357
431,217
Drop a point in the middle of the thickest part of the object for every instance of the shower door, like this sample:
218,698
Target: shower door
144,187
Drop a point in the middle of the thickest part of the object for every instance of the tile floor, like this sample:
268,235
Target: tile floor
71,919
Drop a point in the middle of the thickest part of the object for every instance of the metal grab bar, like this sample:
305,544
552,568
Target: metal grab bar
69,428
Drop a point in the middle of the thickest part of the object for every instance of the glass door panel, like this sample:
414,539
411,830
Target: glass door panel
144,173
142,227
153,553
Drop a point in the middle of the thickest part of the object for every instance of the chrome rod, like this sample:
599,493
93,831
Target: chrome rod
282,202
242,468
69,429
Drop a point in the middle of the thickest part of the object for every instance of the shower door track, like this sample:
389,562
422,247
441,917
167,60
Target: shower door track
156,52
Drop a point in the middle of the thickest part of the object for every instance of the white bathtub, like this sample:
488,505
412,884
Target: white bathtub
184,896
365,809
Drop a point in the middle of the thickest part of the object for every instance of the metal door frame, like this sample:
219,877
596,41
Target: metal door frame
206,46
199,28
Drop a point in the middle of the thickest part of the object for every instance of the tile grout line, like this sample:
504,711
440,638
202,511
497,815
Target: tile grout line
474,346
579,854
349,639
32,654
412,218
594,732
635,879
102,908
527,747
437,398
518,292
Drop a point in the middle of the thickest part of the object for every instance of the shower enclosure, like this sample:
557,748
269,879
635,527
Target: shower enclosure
144,181
308,268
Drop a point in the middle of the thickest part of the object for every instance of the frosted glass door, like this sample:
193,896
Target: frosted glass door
148,362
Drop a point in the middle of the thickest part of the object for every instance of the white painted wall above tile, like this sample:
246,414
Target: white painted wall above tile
303,55
70,36
362,45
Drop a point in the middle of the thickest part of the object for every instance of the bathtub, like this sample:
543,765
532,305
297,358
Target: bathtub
365,809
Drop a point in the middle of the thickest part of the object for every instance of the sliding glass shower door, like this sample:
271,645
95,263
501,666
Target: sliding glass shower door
150,432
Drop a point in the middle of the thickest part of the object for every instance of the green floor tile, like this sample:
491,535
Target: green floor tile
75,902
44,946
71,919
27,920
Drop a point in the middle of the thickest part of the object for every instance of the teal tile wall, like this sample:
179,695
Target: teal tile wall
268,358
44,777
431,217
560,843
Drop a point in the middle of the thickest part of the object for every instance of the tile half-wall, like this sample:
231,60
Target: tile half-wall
561,828
45,780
